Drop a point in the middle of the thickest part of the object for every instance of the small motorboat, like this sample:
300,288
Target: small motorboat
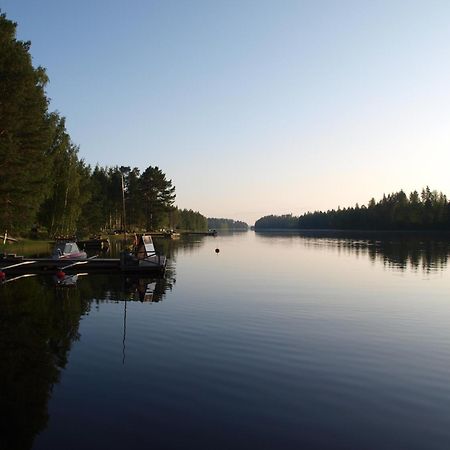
143,257
68,250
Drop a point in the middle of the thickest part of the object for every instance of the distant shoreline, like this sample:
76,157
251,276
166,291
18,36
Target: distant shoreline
351,231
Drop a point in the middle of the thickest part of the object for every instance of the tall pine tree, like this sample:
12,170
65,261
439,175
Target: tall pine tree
25,132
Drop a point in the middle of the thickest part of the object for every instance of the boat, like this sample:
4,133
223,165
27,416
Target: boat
143,257
68,250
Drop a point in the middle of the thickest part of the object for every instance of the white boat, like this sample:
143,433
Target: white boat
143,257
68,250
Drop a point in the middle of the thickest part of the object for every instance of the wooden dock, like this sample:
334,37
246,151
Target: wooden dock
11,264
161,234
176,234
199,233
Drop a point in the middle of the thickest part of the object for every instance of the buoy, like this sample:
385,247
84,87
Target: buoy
217,250
2,276
60,274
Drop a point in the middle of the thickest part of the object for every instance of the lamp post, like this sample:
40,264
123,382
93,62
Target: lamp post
124,225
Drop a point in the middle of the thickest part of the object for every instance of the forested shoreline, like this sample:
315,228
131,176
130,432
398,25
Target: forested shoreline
44,184
215,223
429,210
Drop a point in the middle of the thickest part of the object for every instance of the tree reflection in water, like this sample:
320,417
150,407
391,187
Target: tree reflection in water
39,322
397,250
36,333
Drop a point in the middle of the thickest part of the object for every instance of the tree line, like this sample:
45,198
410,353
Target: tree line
427,210
215,223
44,184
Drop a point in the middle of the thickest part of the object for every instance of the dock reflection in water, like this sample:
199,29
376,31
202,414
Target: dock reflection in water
39,323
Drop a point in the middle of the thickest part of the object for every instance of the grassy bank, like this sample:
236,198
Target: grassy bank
27,247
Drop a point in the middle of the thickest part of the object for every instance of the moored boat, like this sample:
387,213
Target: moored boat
68,250
143,257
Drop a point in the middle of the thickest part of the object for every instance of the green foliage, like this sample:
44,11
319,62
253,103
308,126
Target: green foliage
186,219
158,196
69,190
428,211
287,221
148,199
41,178
215,223
26,130
96,210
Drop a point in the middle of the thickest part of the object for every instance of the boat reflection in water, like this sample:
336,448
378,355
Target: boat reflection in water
66,281
135,288
141,289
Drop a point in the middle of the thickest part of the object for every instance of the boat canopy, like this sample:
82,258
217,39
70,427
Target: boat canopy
65,248
145,247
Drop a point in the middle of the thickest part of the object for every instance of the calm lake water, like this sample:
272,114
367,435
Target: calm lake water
277,342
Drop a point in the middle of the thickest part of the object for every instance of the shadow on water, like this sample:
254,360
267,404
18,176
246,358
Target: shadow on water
36,334
39,322
396,250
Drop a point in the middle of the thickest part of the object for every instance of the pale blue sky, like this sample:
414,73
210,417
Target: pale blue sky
253,107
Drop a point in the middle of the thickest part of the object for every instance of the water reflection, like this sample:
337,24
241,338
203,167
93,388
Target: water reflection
399,251
36,333
147,289
66,281
104,287
39,322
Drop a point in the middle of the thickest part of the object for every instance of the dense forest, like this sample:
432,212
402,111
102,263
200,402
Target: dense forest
186,219
226,224
429,210
45,185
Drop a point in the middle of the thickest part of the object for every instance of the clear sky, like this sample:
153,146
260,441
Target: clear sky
253,107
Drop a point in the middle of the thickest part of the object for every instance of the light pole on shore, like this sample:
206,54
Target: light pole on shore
124,225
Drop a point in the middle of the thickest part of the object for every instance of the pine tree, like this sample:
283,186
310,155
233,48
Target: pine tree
158,195
25,132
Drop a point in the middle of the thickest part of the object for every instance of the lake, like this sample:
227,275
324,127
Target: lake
279,341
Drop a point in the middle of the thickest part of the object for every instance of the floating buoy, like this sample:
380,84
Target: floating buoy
217,250
60,274
2,276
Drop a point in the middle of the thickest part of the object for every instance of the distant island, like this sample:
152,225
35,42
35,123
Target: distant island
429,210
226,224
